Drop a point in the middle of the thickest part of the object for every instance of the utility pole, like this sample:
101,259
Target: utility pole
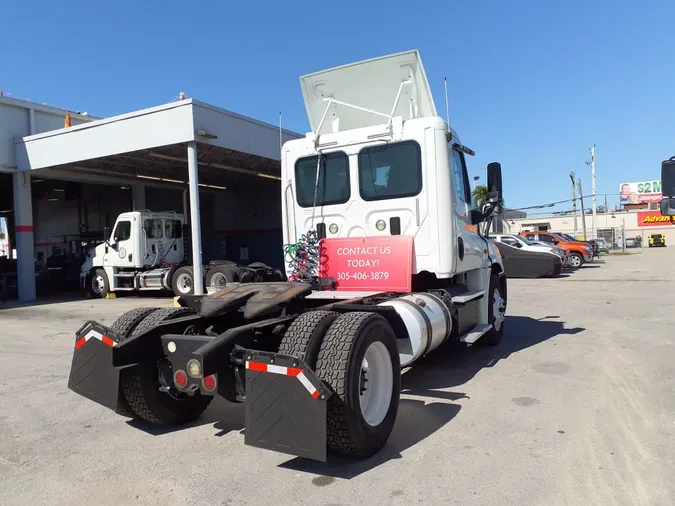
583,215
595,208
574,204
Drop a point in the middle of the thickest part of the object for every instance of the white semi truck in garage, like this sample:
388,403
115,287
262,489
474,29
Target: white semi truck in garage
148,251
390,262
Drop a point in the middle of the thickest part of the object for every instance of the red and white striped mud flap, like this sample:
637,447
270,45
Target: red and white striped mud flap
92,374
285,406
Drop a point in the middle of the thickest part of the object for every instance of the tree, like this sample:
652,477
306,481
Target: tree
479,195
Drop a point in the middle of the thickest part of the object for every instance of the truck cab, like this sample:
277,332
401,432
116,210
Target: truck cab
141,247
387,165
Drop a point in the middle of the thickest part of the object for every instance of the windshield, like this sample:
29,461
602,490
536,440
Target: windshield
333,185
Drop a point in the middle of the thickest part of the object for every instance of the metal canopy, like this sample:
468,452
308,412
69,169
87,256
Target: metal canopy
168,165
182,142
151,143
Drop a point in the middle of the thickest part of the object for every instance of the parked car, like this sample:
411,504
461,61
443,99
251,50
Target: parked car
631,242
592,242
526,263
603,245
580,252
657,240
564,252
522,243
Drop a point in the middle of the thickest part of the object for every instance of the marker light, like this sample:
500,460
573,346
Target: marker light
180,378
380,225
333,229
209,383
194,368
171,347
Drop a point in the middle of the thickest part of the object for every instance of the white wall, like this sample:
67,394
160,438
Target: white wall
15,123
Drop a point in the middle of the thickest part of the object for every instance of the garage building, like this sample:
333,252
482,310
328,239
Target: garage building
61,187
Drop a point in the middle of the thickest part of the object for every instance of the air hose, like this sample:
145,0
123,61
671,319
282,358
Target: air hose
303,258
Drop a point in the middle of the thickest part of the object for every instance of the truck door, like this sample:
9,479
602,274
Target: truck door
173,242
469,245
122,253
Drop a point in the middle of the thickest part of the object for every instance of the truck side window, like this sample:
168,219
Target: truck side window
546,238
531,237
153,228
461,179
172,229
122,231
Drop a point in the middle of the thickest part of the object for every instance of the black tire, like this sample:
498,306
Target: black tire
339,367
579,258
104,290
125,324
303,338
222,275
141,383
178,281
494,336
122,327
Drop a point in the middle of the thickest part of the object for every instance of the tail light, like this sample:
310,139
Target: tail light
180,378
209,383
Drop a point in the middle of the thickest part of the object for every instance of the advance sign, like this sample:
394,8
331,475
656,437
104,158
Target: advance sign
374,264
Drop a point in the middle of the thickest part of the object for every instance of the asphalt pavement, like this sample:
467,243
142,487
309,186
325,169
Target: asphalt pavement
575,406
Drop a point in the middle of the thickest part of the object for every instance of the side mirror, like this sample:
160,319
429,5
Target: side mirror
106,234
555,243
519,245
476,217
494,182
668,177
668,206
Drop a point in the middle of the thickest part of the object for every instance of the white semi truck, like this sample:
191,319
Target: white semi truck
148,251
388,261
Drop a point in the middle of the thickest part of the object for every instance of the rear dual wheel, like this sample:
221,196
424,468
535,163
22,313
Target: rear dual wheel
140,395
141,383
356,356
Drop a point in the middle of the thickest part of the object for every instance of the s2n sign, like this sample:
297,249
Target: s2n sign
373,264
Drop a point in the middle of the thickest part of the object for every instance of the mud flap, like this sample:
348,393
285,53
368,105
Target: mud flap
285,405
92,374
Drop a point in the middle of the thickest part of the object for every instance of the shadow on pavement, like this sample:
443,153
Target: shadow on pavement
433,378
445,368
225,416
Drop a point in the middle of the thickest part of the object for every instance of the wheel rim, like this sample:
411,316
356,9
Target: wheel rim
376,384
218,279
184,283
575,261
498,309
97,283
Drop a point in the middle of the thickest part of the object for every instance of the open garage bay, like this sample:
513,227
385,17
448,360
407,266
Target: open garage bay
575,406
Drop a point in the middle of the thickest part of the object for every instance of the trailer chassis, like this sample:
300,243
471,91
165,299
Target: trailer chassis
242,359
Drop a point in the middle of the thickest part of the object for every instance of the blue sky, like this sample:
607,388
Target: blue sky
532,84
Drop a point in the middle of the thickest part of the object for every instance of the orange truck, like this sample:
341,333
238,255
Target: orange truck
580,252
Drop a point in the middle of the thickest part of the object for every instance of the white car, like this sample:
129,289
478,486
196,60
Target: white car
517,241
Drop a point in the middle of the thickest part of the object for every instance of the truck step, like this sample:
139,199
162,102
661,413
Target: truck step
124,275
465,297
476,333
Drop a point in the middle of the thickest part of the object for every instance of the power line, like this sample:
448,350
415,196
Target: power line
553,204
